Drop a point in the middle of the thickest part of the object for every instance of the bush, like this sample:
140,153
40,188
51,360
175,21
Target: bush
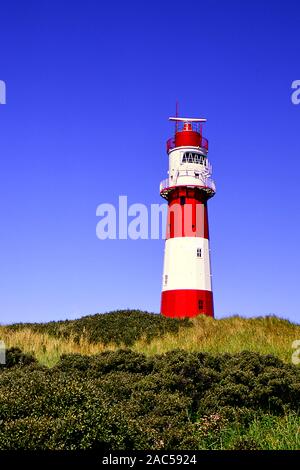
15,357
122,327
124,400
256,382
245,443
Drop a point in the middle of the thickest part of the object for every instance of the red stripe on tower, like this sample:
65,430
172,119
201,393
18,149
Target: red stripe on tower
187,290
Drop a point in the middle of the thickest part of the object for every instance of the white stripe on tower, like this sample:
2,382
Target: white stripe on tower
187,264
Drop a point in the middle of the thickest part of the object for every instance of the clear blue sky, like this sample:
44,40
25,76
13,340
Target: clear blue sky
90,86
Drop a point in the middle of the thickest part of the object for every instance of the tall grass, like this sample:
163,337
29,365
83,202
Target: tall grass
266,335
268,432
48,349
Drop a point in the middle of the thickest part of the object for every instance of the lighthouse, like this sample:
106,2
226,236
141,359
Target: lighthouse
186,283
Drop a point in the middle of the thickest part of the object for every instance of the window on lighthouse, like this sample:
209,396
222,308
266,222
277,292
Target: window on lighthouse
199,252
192,157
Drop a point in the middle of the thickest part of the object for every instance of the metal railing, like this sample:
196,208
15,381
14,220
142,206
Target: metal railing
170,144
164,184
207,183
191,125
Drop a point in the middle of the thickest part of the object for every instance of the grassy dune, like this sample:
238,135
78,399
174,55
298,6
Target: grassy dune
46,348
150,334
265,335
150,388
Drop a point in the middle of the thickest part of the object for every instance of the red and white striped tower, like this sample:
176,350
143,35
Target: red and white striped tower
187,289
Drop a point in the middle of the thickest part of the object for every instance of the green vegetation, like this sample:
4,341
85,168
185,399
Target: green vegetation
150,334
122,327
135,380
125,400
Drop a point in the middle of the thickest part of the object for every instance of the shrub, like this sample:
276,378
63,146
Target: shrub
15,357
122,327
124,400
245,443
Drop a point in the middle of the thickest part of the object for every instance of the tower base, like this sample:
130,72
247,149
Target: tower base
187,303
